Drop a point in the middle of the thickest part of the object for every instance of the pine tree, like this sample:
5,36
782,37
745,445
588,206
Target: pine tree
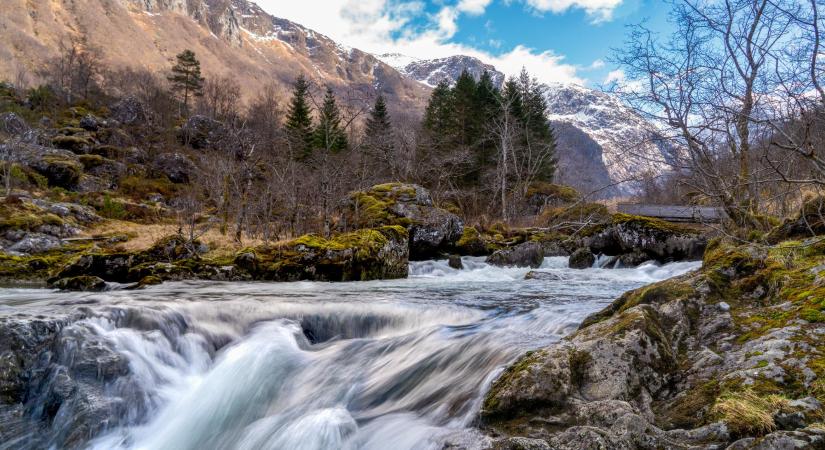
378,137
537,130
439,119
186,77
328,134
299,120
468,126
488,105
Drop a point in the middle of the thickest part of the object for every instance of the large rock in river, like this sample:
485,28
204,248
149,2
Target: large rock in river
432,230
659,240
369,254
527,254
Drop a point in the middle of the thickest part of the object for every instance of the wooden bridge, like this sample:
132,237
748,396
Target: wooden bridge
675,213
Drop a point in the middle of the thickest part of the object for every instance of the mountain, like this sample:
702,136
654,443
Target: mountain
629,145
433,71
602,144
233,38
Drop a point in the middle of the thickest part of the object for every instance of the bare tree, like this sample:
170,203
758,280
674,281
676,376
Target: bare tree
712,84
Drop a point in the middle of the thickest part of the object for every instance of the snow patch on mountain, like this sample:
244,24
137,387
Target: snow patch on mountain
631,146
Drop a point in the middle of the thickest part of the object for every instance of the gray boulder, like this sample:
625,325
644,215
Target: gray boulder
13,125
80,283
175,166
34,243
582,258
202,132
527,254
129,111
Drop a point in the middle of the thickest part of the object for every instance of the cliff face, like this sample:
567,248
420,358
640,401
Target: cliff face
232,38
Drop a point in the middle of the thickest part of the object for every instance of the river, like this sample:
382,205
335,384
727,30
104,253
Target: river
400,364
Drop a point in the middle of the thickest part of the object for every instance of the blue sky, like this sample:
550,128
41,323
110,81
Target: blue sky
557,40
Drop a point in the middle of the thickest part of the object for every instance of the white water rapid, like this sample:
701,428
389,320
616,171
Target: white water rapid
401,364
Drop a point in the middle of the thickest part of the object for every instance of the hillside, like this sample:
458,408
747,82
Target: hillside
232,38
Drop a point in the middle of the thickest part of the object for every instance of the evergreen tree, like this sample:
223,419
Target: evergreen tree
328,134
536,128
186,77
487,107
464,103
378,137
439,118
299,120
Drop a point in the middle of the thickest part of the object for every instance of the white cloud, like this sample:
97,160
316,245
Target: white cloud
615,76
385,26
474,7
597,64
599,10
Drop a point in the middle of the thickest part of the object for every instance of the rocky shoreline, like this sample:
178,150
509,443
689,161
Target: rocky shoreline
728,357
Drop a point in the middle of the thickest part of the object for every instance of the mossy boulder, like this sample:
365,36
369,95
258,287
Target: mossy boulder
659,240
721,357
432,230
367,254
471,243
74,143
80,283
60,167
541,195
110,267
175,247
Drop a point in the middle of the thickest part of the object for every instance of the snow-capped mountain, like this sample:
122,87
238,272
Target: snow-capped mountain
602,144
630,145
433,71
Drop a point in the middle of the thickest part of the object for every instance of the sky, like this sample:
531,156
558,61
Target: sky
555,40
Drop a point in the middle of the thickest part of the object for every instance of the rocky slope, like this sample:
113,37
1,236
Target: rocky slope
234,38
433,71
729,356
630,146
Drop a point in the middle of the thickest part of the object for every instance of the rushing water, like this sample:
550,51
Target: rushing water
399,364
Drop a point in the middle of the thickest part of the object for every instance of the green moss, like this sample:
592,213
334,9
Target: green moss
91,161
650,223
491,406
556,191
74,144
25,216
113,209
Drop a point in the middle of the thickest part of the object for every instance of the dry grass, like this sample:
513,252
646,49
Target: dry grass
746,413
142,236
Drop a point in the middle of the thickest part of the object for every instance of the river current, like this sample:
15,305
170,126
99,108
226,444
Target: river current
399,364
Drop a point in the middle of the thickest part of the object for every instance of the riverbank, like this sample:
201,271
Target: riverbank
730,356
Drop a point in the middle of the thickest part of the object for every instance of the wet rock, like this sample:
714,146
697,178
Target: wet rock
582,258
175,166
633,259
80,283
527,254
547,276
521,443
454,261
432,230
